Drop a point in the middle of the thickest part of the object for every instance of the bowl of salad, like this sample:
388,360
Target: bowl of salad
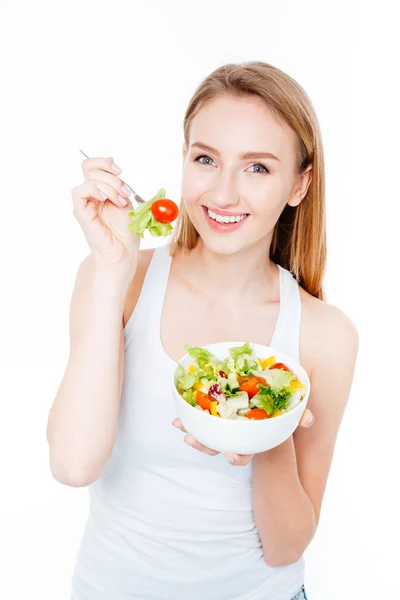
239,397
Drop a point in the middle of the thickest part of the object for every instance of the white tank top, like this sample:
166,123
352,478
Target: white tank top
167,522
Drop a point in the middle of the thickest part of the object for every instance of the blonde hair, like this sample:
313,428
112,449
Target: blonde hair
299,237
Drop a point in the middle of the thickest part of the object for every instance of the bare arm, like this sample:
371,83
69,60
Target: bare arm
290,480
82,421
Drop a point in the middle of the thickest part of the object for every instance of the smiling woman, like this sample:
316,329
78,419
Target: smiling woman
268,110
171,520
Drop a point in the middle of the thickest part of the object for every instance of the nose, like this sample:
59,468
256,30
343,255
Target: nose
225,194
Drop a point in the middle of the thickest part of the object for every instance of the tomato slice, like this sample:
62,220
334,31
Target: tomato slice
164,210
203,400
250,385
257,414
280,366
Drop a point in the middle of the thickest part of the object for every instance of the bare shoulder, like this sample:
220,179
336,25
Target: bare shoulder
327,332
135,288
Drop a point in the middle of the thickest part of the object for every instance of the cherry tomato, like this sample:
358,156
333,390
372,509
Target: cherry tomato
164,210
280,366
257,414
250,385
204,400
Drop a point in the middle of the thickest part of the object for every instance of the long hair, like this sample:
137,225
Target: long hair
299,237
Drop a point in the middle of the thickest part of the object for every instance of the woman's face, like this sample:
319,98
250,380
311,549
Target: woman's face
219,182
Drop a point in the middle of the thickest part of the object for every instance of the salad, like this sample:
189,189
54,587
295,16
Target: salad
156,215
241,386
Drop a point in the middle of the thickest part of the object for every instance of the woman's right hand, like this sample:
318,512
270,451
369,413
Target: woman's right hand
104,220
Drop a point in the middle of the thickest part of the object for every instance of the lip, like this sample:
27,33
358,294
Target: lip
222,227
225,213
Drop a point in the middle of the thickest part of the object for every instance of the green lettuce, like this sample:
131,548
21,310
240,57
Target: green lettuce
213,368
278,378
142,219
243,361
187,381
272,399
200,355
235,351
189,397
229,365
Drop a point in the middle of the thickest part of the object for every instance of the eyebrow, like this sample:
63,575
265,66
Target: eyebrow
243,156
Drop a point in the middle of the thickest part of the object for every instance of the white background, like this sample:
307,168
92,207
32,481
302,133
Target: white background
114,78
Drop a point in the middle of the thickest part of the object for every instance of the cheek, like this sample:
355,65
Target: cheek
193,184
268,201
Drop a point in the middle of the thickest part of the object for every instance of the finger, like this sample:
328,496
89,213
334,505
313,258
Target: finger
177,423
104,169
92,190
307,418
100,162
190,441
113,181
238,460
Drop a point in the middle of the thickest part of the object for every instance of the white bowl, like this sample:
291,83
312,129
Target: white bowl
241,437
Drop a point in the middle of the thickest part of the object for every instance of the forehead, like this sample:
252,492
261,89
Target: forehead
242,124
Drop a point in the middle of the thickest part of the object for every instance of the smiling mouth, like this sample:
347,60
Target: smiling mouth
222,223
225,219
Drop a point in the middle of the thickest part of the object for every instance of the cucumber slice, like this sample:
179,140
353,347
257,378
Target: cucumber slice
232,382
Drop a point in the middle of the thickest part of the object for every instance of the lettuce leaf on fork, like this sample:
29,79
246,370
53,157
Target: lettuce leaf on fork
142,219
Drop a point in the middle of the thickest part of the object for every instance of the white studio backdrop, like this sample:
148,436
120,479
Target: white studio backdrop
114,79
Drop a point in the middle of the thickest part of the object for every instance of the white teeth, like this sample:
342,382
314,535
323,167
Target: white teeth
225,219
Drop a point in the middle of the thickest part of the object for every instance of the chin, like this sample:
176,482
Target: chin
224,246
223,243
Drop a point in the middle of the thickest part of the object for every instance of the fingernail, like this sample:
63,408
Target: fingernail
189,443
232,460
125,190
122,200
116,169
310,422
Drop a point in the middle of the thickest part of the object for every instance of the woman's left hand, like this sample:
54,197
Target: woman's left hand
238,460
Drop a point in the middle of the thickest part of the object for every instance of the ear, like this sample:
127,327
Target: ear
184,150
301,186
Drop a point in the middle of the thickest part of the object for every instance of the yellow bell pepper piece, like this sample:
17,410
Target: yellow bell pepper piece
197,385
191,369
294,386
213,407
267,362
297,385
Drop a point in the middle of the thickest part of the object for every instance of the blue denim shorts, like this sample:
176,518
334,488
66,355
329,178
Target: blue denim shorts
301,594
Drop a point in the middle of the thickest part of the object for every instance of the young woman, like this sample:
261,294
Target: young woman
171,520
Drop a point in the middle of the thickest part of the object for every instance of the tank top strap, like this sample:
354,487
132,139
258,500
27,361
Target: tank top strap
147,313
286,337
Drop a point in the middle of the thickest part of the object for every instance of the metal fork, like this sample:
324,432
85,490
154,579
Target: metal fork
138,198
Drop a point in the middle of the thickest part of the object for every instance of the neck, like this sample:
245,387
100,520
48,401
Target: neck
246,276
